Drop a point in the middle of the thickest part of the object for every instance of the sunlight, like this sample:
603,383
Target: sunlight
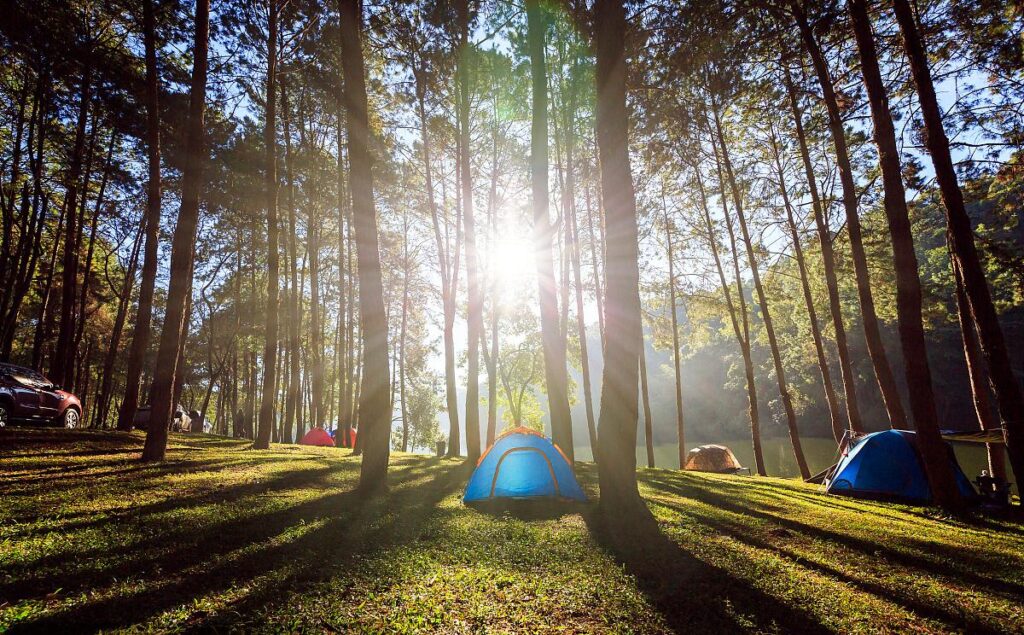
512,259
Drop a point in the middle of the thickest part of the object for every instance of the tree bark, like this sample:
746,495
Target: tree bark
645,395
447,272
623,334
270,182
29,249
581,329
61,365
374,413
294,317
144,317
553,343
744,336
934,452
978,376
475,299
680,429
762,299
183,247
83,301
872,335
406,272
831,400
828,263
46,300
960,237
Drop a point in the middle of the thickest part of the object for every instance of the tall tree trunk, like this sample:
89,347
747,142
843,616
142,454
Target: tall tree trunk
475,307
828,262
744,336
270,182
344,284
596,250
294,340
752,395
179,363
144,317
573,244
123,302
934,452
9,194
406,266
872,335
495,278
961,244
374,414
581,328
74,363
979,381
316,374
447,274
555,372
645,395
623,333
183,247
61,365
680,430
762,300
812,315
46,309
30,243
83,302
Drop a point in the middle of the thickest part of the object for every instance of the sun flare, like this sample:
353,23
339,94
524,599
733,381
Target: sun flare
512,259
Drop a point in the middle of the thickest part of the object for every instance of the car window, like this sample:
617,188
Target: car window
29,381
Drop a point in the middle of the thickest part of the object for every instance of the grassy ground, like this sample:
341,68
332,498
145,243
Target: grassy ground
223,537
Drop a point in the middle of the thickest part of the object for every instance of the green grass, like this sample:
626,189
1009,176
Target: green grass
221,537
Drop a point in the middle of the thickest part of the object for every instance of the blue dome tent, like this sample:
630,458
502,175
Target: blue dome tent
887,465
522,463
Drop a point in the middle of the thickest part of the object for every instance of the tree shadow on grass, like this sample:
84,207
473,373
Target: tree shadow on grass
693,596
258,558
896,594
73,474
958,565
528,509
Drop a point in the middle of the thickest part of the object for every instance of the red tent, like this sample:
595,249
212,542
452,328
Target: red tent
317,436
340,439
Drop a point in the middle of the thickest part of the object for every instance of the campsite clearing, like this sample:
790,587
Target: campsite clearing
221,535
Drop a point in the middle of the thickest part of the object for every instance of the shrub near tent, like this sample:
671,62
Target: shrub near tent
523,464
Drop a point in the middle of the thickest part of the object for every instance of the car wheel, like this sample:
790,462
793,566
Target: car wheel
3,416
71,418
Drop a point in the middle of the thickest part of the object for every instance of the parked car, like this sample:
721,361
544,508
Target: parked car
180,422
26,395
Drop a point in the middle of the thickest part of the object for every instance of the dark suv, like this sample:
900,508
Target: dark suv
25,395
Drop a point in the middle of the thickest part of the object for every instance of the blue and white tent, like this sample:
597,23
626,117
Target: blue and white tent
523,464
887,465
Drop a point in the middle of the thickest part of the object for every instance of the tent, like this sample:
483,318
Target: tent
887,465
521,464
317,436
712,458
339,438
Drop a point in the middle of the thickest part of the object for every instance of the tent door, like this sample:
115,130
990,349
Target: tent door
528,472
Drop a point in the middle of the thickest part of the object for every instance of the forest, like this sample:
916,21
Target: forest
634,227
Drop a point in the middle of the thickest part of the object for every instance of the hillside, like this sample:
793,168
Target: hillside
221,536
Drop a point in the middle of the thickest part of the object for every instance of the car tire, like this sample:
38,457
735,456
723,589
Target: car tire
70,419
3,416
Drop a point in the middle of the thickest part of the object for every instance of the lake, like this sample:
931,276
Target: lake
778,455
